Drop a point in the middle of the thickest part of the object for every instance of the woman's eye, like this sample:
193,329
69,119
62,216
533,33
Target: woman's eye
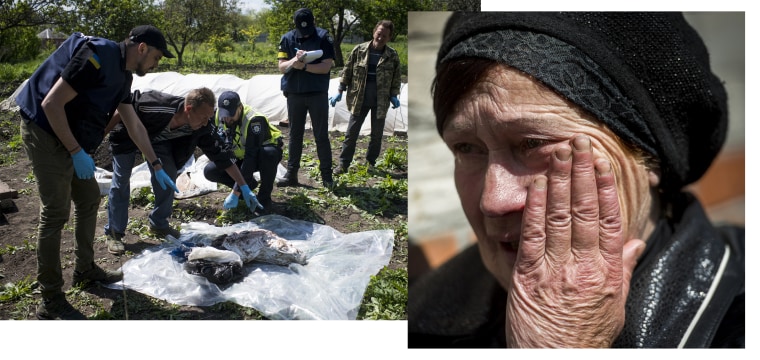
463,148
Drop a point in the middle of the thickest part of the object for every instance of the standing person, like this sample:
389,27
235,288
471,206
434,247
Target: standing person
256,144
175,126
65,107
305,84
372,74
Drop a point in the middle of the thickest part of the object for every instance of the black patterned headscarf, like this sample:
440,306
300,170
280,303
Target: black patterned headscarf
645,75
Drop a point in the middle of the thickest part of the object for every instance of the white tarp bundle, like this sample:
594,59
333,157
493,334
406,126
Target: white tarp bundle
262,92
331,286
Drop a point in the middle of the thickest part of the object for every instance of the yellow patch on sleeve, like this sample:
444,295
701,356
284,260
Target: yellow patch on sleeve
282,55
95,61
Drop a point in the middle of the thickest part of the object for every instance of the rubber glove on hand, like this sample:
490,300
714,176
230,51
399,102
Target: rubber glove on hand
231,201
250,198
163,179
335,98
395,102
83,165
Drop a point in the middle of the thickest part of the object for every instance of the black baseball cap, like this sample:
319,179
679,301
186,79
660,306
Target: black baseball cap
151,36
228,104
304,20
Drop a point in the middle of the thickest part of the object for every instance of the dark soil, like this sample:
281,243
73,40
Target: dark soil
18,231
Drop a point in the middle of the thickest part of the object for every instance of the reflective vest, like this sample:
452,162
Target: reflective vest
268,133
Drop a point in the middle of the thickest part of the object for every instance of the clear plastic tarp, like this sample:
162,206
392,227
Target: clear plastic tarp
330,286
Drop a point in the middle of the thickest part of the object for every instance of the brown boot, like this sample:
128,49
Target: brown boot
56,307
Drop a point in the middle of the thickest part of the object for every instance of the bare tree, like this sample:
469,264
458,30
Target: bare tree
28,13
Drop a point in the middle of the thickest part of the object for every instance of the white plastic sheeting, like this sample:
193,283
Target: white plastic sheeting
330,286
264,94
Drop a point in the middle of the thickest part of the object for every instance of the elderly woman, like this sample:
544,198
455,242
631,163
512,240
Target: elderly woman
574,135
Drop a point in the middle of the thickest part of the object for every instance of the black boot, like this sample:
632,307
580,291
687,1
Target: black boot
291,179
327,180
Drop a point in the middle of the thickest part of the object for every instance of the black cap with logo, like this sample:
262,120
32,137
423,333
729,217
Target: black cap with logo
304,20
151,36
228,104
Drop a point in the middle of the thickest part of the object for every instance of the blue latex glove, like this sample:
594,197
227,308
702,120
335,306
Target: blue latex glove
335,98
250,198
395,102
83,165
163,179
231,201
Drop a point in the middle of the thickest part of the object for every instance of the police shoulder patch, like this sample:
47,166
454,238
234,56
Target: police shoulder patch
329,38
256,128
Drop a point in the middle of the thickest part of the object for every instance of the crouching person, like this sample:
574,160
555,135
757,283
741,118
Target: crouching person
176,126
256,144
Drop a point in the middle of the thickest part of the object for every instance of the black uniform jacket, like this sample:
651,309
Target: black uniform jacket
155,110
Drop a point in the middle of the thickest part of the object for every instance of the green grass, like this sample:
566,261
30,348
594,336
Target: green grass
386,296
21,295
15,72
244,62
241,61
10,139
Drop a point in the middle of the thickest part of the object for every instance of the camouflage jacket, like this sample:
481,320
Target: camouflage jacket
355,77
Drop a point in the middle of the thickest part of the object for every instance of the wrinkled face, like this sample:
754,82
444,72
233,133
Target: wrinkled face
148,59
380,37
502,134
199,116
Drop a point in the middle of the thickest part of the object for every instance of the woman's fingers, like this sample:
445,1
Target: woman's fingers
610,222
533,233
575,210
584,203
558,218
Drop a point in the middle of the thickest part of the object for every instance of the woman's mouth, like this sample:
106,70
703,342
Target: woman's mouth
507,242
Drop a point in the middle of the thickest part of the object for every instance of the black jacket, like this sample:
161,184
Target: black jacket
686,291
155,110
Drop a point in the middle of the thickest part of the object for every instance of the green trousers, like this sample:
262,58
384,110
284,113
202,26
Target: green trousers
58,187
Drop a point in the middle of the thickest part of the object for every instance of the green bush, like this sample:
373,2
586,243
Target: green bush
18,44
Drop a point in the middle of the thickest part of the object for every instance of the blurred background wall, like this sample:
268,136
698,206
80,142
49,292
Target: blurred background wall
437,226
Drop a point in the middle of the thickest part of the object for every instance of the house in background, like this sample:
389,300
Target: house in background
50,38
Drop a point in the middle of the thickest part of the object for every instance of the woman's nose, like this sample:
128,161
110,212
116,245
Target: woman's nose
503,191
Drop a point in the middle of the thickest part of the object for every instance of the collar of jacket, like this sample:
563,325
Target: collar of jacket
685,283
366,46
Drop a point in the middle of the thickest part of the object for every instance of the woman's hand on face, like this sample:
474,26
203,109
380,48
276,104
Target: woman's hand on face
573,268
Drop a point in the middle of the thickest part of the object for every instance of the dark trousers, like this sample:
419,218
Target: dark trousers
352,135
59,187
318,108
369,106
267,160
164,198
